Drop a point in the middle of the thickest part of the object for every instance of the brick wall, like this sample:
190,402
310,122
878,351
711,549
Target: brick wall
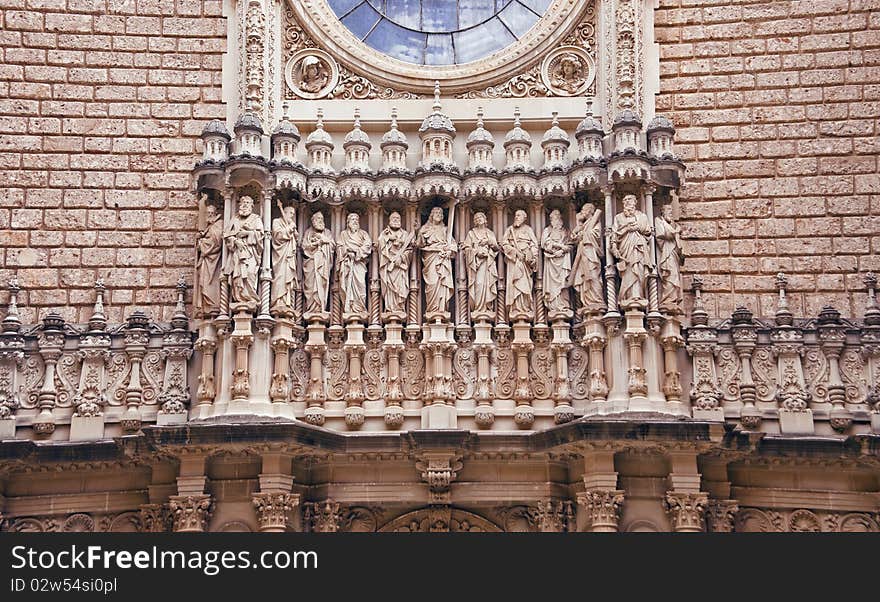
778,110
101,104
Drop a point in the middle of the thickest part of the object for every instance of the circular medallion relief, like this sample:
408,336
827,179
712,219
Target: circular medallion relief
568,71
311,74
465,43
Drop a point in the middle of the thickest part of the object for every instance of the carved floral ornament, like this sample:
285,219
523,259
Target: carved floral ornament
528,67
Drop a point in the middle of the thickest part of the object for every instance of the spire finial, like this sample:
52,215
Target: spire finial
320,123
699,317
784,317
285,110
555,118
436,95
872,312
12,321
516,122
479,117
357,118
98,320
393,118
180,320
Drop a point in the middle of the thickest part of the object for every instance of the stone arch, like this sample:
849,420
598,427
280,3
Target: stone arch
430,519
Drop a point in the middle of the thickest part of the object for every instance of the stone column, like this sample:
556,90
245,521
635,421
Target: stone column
136,339
11,359
601,499
191,508
832,337
702,342
745,336
51,341
315,394
684,502
274,503
394,393
524,415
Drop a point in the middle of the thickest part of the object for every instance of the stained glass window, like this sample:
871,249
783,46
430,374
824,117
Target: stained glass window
439,32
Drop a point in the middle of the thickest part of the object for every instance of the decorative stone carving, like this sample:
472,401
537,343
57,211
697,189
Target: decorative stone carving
284,261
480,248
586,273
552,516
630,244
318,245
274,510
603,508
437,248
206,296
244,249
686,511
669,260
353,248
395,252
438,470
154,518
568,71
190,513
520,247
625,55
557,267
311,74
323,517
721,515
254,32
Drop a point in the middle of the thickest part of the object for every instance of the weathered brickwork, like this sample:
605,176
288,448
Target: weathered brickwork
101,105
777,108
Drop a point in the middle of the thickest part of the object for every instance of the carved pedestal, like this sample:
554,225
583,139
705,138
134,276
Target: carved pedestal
51,342
563,411
315,347
524,415
634,335
594,339
393,347
671,339
484,413
282,342
242,337
206,344
440,413
354,394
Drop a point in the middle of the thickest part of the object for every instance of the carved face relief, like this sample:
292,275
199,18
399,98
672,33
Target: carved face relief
394,220
312,74
568,71
318,221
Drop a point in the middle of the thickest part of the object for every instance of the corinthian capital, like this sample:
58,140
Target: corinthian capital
721,514
686,510
190,513
274,510
603,508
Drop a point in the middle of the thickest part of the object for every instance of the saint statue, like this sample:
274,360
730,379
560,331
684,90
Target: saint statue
208,252
284,240
557,267
244,249
586,273
668,235
520,247
317,245
480,249
352,250
437,251
630,244
395,250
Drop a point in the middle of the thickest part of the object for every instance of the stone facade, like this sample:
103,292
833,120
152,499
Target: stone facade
101,107
776,106
204,317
